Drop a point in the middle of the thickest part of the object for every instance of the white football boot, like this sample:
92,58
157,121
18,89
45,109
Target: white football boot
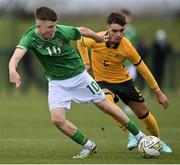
88,149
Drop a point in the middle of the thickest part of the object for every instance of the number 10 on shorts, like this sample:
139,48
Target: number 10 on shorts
93,87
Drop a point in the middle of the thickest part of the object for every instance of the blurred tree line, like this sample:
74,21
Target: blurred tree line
12,27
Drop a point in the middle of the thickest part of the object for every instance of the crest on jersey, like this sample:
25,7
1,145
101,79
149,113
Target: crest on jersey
60,43
118,56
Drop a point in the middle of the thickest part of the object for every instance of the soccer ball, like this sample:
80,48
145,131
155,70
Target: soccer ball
150,147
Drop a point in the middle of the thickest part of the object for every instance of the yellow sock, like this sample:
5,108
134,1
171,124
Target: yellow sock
110,98
151,125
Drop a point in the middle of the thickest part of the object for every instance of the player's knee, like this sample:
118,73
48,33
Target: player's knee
109,97
57,120
144,114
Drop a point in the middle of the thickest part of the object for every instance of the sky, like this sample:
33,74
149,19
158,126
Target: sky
90,6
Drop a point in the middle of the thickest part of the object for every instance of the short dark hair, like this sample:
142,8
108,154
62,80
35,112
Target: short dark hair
126,12
116,18
45,14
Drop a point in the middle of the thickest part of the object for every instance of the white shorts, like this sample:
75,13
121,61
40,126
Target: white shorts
81,89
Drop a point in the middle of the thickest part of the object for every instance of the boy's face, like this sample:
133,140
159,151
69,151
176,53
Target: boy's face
115,32
46,29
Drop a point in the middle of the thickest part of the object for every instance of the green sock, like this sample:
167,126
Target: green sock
79,138
132,127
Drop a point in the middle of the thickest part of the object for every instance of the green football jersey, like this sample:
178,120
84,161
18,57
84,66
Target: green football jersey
59,59
130,34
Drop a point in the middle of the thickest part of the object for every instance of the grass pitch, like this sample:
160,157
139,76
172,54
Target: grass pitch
27,135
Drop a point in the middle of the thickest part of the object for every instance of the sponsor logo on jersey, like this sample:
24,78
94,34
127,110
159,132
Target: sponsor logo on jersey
39,46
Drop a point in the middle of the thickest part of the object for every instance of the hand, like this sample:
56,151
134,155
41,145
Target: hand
162,98
103,38
88,67
15,78
106,37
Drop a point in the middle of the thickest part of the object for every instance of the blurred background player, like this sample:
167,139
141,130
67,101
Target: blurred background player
142,49
161,50
112,76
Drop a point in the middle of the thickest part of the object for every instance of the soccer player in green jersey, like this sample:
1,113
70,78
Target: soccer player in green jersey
67,79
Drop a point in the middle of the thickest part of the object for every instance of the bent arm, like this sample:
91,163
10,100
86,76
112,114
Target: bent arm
13,63
90,34
16,57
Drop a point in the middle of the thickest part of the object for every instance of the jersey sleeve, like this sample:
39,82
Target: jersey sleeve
132,54
135,58
83,50
83,44
70,32
88,42
24,43
147,75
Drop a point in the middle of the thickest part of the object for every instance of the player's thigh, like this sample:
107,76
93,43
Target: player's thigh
107,88
128,91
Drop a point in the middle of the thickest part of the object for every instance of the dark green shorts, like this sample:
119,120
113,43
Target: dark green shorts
126,91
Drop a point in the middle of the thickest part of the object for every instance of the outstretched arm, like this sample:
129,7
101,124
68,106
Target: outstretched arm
13,74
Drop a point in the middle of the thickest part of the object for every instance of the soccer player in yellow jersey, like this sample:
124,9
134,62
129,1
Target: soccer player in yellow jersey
109,71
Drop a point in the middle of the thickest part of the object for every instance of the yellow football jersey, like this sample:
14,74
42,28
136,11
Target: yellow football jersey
108,62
